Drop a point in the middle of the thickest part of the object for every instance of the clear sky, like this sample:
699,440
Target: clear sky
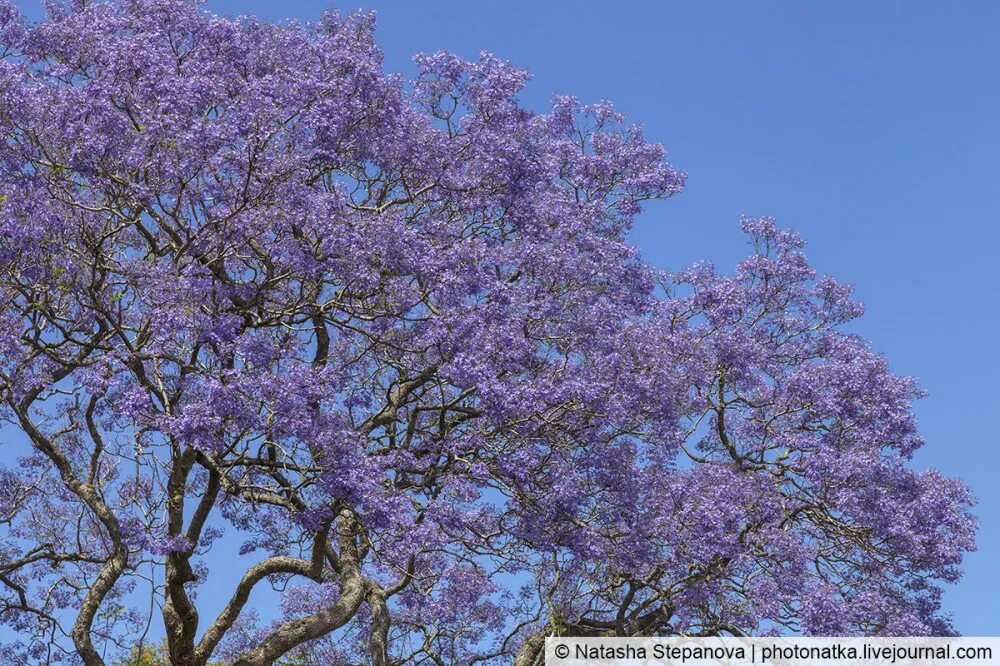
872,128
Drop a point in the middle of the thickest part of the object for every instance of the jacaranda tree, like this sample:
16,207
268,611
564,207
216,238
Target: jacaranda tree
386,345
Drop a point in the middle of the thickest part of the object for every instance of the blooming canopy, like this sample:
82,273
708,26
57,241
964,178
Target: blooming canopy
388,340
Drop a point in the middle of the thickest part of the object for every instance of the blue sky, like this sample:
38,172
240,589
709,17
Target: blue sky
872,128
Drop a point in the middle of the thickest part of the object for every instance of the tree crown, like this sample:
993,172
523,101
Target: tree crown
391,338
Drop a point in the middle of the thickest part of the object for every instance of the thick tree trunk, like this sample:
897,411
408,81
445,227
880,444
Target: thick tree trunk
532,653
